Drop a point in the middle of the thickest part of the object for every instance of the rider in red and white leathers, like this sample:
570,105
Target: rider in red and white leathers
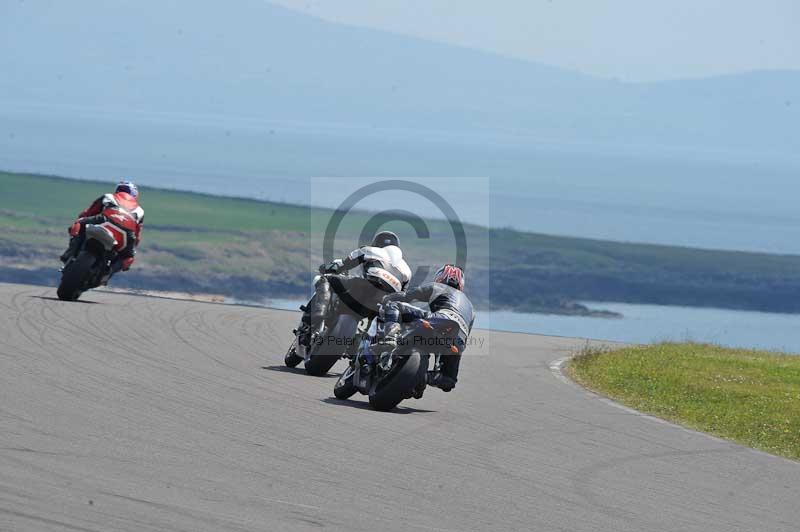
126,196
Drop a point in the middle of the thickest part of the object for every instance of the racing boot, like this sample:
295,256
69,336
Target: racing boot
115,266
391,333
303,332
441,381
120,263
446,375
388,343
317,311
316,332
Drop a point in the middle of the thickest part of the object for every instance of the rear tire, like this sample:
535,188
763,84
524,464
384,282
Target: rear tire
398,385
73,278
325,352
319,365
292,359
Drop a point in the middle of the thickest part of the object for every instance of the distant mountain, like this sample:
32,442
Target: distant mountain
252,58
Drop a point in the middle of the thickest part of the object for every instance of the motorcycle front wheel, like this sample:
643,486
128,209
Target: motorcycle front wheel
396,385
345,387
292,359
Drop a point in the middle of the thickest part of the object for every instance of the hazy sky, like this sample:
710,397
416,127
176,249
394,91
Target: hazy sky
627,39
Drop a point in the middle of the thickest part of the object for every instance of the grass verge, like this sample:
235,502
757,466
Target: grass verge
750,397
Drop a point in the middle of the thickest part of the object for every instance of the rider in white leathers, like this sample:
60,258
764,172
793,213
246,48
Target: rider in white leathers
381,271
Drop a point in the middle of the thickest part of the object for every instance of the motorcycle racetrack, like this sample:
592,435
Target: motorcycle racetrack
129,413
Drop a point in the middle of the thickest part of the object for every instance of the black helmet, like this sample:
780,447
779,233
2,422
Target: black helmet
385,238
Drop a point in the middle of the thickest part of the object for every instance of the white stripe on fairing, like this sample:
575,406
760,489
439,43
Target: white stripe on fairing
384,275
138,212
115,231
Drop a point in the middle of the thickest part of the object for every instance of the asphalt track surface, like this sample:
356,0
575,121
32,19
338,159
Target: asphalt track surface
146,414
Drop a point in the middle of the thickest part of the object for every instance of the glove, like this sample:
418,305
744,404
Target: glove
75,228
333,267
397,296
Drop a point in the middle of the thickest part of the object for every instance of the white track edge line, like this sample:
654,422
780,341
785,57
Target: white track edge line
557,369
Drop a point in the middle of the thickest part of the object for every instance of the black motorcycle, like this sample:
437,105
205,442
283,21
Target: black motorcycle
390,377
337,339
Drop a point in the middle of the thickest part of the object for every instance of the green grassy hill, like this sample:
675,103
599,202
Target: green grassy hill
254,249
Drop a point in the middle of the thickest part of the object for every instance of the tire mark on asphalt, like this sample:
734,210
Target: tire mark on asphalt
44,520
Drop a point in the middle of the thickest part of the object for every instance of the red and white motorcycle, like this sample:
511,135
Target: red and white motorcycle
90,267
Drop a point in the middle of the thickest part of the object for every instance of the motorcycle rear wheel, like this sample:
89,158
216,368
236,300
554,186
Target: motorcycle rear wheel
319,365
326,349
73,278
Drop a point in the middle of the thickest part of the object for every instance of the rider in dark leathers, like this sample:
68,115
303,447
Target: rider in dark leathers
382,271
446,299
